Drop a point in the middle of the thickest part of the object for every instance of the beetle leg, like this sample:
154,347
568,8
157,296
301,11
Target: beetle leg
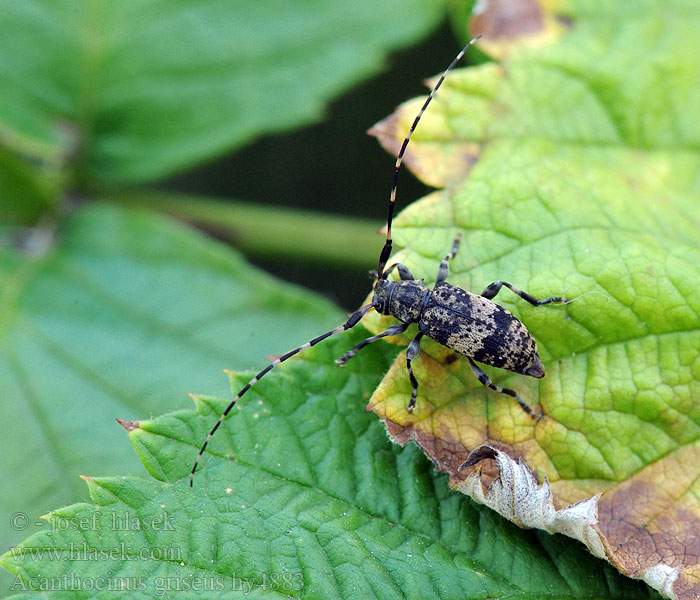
491,291
486,382
404,273
393,330
411,353
444,269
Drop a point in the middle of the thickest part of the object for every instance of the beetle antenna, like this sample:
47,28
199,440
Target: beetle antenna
355,317
351,322
386,250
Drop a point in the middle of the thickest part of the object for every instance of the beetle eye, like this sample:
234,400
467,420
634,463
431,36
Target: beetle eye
377,301
381,296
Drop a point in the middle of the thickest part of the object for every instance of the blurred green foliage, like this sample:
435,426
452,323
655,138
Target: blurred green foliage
111,312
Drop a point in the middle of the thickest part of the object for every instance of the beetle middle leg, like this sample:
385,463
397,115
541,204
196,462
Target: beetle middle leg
444,268
486,382
393,330
493,289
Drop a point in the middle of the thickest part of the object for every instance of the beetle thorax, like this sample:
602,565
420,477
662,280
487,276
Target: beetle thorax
401,299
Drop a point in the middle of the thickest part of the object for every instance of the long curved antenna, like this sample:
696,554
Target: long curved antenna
386,250
351,322
354,318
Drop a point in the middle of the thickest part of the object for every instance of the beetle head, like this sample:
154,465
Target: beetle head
382,294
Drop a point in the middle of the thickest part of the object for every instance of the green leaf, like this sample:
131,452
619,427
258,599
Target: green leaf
125,316
28,193
145,89
572,168
302,496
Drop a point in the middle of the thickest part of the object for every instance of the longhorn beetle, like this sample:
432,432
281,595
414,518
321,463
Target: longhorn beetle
471,325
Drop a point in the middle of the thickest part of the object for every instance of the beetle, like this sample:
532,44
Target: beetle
469,324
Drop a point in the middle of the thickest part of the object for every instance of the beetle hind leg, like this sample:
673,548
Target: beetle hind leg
411,353
486,382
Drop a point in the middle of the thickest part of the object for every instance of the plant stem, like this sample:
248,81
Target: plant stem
270,231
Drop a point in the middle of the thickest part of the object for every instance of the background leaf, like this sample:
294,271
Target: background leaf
304,496
20,180
140,90
110,313
122,318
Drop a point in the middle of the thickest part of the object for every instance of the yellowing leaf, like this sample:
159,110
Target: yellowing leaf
572,169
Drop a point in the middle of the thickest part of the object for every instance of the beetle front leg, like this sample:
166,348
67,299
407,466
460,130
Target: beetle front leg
393,330
491,291
486,382
404,273
444,269
411,353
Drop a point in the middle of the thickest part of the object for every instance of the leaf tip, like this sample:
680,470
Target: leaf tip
197,399
506,25
128,425
477,455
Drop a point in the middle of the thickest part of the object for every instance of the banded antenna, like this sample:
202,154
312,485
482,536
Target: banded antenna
386,250
355,317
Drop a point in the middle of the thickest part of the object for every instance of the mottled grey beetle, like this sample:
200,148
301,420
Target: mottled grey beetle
471,325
